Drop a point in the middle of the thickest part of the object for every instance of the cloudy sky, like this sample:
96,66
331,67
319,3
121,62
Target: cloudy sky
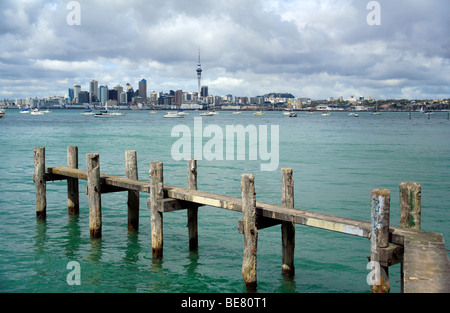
310,48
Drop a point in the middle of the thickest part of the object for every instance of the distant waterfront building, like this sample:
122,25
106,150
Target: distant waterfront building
179,97
83,97
103,92
123,97
128,88
71,94
118,88
204,91
143,90
113,95
93,91
76,91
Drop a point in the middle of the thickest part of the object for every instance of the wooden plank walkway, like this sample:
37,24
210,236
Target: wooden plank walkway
424,258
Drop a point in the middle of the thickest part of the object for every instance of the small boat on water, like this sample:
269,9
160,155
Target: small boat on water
292,114
207,114
259,113
107,114
88,112
25,111
181,112
173,115
237,112
152,112
36,112
2,113
326,114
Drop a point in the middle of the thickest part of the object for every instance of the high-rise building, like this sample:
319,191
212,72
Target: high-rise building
93,91
199,74
71,94
143,89
103,92
76,91
83,97
204,91
179,97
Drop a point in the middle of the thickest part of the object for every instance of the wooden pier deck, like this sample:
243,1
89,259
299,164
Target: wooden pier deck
424,258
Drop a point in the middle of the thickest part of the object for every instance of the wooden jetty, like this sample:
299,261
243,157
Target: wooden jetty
425,265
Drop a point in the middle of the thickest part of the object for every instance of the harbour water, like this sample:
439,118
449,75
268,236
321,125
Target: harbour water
337,160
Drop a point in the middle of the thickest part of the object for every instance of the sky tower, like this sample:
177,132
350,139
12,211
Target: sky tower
199,74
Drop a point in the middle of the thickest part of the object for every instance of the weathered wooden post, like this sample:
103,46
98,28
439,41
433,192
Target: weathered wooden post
410,211
133,196
250,231
40,183
73,201
94,194
410,205
380,207
192,211
287,228
155,204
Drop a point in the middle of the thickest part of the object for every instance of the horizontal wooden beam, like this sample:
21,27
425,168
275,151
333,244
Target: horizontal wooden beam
269,211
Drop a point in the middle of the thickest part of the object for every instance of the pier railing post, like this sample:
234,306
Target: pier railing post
155,203
133,196
192,211
380,207
73,197
287,228
410,212
40,183
94,194
250,231
410,205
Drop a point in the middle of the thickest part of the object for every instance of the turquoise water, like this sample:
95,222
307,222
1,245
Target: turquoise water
337,160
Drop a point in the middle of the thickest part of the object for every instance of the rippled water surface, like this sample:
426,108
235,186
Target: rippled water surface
337,160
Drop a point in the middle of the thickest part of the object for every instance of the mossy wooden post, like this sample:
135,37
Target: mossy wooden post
94,194
410,211
250,231
380,207
287,228
192,211
410,205
40,183
73,196
155,203
133,196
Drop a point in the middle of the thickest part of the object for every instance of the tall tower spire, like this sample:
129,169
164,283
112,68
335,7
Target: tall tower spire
199,74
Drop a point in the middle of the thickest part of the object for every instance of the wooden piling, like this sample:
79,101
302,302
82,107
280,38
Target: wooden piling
73,201
133,195
410,205
410,213
250,231
287,228
40,183
380,207
156,207
192,210
94,194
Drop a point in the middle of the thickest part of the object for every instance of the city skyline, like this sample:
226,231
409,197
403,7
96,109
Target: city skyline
314,49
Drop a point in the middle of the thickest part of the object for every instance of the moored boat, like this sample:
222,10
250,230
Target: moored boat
36,112
172,115
2,113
